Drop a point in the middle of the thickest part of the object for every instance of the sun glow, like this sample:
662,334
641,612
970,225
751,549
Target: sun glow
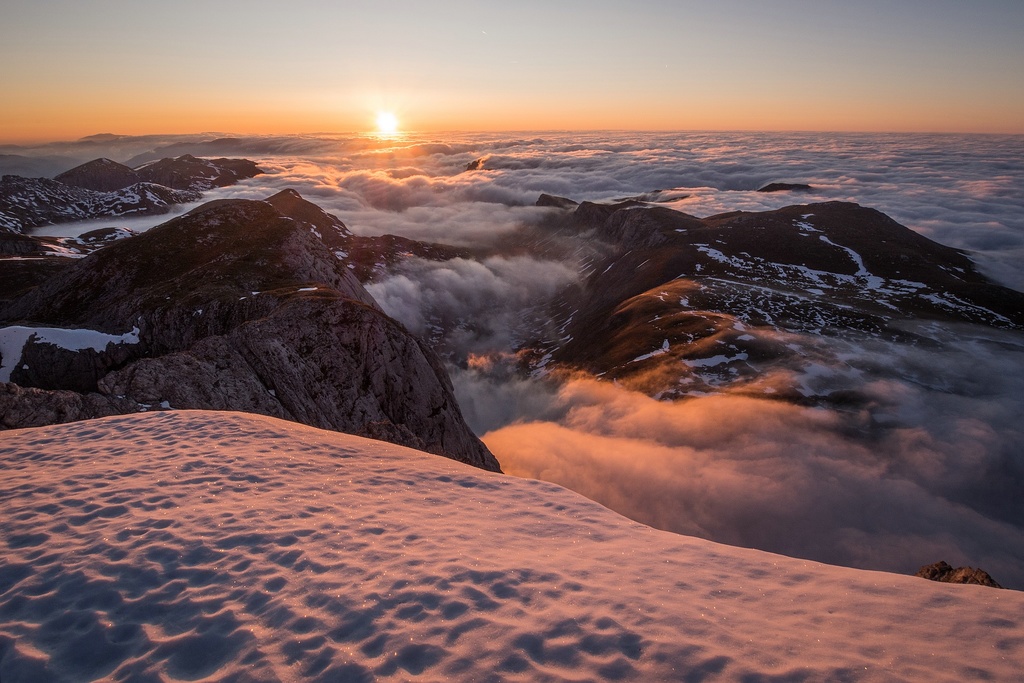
387,124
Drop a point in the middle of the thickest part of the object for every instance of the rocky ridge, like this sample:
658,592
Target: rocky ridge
369,257
675,304
236,305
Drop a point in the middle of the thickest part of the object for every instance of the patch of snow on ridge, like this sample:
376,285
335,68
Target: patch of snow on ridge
223,546
874,282
714,360
657,352
13,339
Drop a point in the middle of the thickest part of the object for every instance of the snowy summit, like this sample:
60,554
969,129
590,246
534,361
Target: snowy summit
229,547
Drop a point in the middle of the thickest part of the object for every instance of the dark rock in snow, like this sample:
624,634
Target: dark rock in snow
102,236
941,571
27,203
185,172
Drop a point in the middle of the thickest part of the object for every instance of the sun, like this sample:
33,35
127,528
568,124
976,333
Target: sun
387,124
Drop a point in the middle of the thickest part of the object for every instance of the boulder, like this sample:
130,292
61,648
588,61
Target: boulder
943,572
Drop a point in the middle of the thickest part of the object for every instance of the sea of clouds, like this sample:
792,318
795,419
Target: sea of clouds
930,470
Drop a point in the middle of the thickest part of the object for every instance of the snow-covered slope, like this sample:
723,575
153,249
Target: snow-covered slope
221,546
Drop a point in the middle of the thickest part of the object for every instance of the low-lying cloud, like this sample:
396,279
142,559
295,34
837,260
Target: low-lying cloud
481,303
935,483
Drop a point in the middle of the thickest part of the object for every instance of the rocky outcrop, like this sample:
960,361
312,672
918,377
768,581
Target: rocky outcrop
236,306
30,407
941,571
556,202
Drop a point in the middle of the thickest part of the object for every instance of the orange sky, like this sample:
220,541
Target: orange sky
74,69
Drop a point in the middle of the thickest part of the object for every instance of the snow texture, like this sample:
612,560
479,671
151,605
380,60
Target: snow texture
222,546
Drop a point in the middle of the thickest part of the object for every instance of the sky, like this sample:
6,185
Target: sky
73,69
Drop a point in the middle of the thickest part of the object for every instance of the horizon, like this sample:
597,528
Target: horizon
403,133
916,66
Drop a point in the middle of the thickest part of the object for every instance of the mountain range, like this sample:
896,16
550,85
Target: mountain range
103,188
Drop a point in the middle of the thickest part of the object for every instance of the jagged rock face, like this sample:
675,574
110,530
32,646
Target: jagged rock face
30,407
683,304
321,360
237,307
941,571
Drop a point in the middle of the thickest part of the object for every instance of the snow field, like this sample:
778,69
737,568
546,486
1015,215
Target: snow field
211,546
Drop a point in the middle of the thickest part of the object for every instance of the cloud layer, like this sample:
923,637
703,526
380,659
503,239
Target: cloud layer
480,303
918,476
964,191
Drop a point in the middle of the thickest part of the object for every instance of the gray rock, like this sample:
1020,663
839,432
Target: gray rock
22,407
943,572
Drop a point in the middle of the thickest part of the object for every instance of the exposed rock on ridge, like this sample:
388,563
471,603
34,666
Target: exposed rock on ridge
368,257
237,307
941,571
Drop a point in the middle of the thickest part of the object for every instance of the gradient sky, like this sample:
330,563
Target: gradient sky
73,68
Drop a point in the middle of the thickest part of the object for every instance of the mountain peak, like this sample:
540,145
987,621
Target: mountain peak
291,204
100,175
